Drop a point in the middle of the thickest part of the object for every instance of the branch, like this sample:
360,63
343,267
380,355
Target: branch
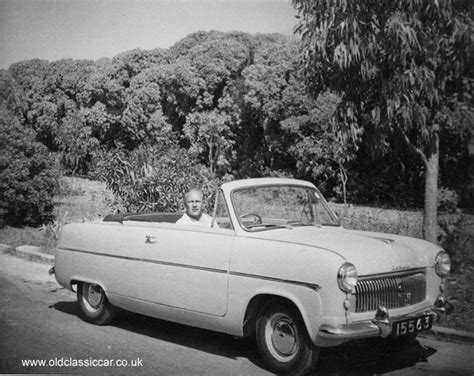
410,145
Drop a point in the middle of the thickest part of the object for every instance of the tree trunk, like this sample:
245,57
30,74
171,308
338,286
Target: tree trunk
210,145
430,218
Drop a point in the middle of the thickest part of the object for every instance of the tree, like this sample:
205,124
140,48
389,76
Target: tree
11,94
143,119
319,154
75,142
128,64
402,68
217,61
209,134
179,87
28,180
292,132
268,92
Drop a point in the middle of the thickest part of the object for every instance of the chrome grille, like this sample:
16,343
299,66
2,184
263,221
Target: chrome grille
391,291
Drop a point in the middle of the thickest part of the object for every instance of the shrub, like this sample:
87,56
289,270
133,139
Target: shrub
447,200
28,180
457,238
150,179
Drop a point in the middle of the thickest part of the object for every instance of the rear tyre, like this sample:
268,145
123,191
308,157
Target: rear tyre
95,307
283,342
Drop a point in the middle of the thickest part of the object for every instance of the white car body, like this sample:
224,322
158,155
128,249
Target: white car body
219,278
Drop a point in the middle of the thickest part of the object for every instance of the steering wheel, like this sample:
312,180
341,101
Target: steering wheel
257,220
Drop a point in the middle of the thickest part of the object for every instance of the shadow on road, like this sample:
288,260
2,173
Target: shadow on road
370,358
183,335
71,308
355,358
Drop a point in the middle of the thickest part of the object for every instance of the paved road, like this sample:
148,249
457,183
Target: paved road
39,321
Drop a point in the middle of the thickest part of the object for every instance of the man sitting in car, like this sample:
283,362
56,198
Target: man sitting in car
194,215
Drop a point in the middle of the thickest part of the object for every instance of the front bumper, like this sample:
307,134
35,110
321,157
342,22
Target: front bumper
380,326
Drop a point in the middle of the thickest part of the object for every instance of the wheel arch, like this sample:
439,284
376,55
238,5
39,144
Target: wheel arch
75,281
260,302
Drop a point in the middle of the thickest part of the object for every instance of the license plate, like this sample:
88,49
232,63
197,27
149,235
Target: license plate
412,325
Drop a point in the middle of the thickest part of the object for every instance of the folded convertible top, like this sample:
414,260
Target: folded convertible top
143,217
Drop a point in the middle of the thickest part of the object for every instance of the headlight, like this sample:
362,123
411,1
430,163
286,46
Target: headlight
347,277
442,264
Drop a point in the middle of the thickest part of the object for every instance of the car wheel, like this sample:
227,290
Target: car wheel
95,307
283,342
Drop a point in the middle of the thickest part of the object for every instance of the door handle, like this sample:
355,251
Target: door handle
150,239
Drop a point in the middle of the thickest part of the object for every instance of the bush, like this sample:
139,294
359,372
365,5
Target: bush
28,180
457,238
447,200
150,179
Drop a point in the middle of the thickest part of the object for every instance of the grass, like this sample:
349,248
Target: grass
83,200
79,200
15,237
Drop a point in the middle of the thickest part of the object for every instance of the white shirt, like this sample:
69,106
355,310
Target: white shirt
204,220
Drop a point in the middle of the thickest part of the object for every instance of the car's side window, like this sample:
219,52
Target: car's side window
222,217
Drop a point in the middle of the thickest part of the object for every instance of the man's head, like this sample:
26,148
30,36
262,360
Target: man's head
193,202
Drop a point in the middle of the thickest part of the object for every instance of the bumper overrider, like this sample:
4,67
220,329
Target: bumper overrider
381,325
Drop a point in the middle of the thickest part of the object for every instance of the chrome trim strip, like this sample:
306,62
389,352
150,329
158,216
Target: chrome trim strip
394,273
312,286
147,260
385,240
100,254
196,267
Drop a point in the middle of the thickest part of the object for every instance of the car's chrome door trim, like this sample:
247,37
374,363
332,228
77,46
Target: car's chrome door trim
146,260
197,267
312,286
99,254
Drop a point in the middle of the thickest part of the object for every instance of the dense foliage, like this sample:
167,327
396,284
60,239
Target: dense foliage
404,71
153,179
214,106
28,179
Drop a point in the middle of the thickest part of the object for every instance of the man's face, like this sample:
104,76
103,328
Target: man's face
193,204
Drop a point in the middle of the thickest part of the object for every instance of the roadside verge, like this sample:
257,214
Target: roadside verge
28,252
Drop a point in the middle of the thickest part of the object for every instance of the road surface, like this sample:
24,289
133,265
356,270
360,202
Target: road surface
40,332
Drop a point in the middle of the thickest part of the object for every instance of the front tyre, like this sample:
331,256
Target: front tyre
283,342
95,307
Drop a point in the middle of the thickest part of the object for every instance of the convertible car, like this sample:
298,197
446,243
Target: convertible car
275,263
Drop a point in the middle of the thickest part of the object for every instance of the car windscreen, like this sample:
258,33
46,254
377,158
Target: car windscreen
266,207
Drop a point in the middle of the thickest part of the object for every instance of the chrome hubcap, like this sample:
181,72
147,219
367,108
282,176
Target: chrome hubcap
284,337
94,296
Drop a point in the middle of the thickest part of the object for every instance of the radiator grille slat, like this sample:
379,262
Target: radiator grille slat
390,291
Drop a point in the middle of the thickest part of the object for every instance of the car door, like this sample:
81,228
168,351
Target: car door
187,267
